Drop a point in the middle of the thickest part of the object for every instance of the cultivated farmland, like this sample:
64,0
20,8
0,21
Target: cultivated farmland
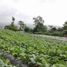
31,51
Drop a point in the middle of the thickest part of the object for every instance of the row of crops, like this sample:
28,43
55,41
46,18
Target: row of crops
32,50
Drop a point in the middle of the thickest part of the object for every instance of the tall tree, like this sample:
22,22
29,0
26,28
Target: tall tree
38,19
39,24
13,20
22,25
65,29
65,26
12,26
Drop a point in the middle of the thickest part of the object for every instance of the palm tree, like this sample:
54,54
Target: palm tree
13,19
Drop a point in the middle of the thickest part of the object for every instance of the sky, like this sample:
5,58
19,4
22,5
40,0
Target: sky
54,12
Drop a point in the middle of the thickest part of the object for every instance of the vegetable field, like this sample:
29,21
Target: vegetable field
34,51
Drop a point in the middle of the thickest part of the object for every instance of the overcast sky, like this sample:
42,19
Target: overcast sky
54,12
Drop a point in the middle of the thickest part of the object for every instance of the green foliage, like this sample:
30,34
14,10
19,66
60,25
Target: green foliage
39,26
60,29
65,29
37,51
53,29
11,27
27,29
2,64
65,33
55,33
22,25
65,26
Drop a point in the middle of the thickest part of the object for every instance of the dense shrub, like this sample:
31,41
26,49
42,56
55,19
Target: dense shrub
27,29
65,33
11,27
56,33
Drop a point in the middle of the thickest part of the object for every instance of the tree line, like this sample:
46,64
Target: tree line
39,27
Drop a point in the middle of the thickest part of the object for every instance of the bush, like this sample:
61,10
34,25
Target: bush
56,33
27,29
65,33
11,27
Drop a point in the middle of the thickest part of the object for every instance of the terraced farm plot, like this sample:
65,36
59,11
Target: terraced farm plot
34,51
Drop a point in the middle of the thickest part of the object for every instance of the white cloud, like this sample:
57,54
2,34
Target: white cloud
54,12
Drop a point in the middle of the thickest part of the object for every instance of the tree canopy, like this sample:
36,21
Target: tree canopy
22,25
39,24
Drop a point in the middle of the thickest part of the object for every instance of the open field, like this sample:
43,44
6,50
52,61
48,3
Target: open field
32,50
52,37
